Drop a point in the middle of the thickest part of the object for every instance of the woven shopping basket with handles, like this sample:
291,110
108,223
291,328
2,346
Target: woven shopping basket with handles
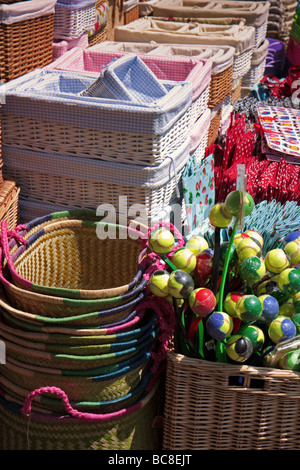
89,283
128,429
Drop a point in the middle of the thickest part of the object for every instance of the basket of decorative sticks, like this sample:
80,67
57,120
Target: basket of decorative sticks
232,380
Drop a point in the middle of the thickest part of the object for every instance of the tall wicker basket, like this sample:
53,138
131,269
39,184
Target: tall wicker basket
216,406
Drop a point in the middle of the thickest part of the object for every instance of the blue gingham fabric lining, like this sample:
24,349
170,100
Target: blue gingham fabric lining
97,170
128,78
54,96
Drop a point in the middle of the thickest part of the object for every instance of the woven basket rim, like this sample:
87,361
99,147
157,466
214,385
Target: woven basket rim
106,373
234,369
60,291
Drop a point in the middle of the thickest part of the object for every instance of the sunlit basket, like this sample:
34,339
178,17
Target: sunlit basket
255,13
165,67
220,56
236,90
216,406
72,19
36,118
258,63
25,46
205,31
131,10
132,428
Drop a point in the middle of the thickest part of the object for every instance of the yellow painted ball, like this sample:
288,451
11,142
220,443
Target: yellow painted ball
161,241
246,248
219,216
276,261
197,244
184,259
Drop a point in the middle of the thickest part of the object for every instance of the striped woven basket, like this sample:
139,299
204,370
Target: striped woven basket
129,429
50,403
85,385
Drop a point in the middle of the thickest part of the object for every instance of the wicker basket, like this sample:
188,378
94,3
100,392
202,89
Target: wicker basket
255,13
131,11
131,429
9,203
207,32
195,70
63,122
220,56
71,20
214,406
215,123
258,62
25,46
115,18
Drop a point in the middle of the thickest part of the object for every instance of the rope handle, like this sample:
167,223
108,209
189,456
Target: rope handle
83,416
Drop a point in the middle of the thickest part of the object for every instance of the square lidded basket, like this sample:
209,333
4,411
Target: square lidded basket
217,406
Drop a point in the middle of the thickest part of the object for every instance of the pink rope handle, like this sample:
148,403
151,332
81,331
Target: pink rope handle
166,323
26,409
7,235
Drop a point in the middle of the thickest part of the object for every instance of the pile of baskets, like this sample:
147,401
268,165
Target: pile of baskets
84,340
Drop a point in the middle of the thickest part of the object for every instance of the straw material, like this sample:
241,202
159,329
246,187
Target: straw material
9,203
129,430
25,46
215,406
70,22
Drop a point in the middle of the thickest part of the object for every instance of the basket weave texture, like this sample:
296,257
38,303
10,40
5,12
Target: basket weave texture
215,406
129,431
25,46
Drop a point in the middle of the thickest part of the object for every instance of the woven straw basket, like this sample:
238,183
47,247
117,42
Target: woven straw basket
216,406
73,292
129,429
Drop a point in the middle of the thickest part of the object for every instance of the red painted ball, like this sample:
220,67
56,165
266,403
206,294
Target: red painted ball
202,301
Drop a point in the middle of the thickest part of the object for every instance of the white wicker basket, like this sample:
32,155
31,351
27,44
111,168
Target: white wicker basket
65,123
86,183
72,20
258,63
193,69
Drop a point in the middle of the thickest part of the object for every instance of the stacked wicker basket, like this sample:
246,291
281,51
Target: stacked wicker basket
84,341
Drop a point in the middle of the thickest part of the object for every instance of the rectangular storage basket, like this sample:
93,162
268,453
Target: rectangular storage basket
221,57
72,20
25,44
86,183
255,13
235,34
258,63
194,70
131,10
216,406
41,113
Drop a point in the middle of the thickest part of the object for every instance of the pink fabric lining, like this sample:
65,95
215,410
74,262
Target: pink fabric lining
194,70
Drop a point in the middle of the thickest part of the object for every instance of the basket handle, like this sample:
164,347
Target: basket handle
83,416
